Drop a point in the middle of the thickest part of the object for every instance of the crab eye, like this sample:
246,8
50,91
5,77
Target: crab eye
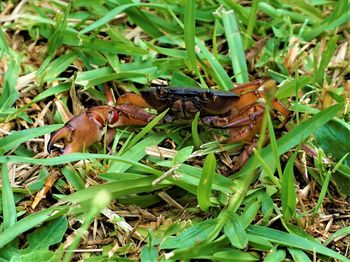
161,91
205,96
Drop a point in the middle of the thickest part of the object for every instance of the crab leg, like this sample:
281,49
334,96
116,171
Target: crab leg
249,95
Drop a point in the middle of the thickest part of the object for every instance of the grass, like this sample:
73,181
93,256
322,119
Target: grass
167,192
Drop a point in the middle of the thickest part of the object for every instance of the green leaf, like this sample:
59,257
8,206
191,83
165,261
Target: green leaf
288,194
58,66
190,236
136,153
73,177
190,32
8,202
327,55
40,255
182,155
275,256
107,17
216,69
9,94
290,240
236,50
234,230
148,254
236,255
331,134
298,255
117,189
194,127
205,184
338,234
48,234
16,138
30,222
289,89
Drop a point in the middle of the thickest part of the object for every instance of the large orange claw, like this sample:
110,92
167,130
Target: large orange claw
88,128
85,129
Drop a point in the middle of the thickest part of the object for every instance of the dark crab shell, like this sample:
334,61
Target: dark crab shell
188,101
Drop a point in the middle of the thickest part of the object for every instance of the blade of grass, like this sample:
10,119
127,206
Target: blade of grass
8,202
306,8
117,189
206,181
326,183
136,153
218,72
290,240
235,231
236,50
288,194
190,32
54,161
30,222
338,234
147,128
251,24
273,143
197,142
9,93
57,66
16,138
326,58
267,169
107,17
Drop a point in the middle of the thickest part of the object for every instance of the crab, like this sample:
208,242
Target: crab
239,111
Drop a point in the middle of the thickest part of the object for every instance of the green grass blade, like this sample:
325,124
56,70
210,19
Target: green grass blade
236,50
306,8
235,231
326,183
275,255
338,234
288,194
8,202
218,72
147,129
73,177
251,24
298,255
117,189
326,58
107,17
57,66
99,202
197,142
190,32
295,241
16,138
206,181
30,222
273,143
9,94
136,153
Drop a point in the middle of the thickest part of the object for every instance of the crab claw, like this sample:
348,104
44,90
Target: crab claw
88,128
85,129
